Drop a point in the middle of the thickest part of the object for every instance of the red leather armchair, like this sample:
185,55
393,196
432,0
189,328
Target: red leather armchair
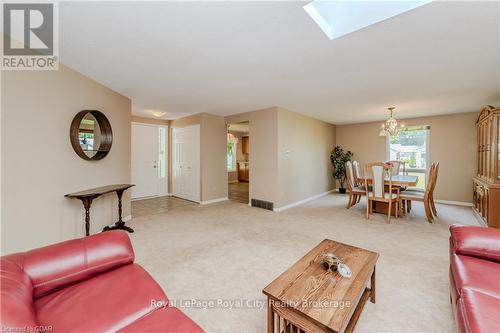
85,285
475,278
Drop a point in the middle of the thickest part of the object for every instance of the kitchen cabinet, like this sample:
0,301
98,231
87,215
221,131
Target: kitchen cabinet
243,171
245,144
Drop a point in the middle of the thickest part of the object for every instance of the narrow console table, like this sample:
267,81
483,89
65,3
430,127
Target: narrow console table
88,196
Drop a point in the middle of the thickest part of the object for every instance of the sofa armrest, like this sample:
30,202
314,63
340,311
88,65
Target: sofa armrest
476,242
56,266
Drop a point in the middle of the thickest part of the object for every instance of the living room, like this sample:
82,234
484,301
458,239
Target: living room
372,161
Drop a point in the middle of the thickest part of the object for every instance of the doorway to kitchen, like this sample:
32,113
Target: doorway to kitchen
238,157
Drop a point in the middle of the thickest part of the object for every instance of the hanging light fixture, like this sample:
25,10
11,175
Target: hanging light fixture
390,127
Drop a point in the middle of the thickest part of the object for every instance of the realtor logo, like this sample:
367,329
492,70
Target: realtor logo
30,36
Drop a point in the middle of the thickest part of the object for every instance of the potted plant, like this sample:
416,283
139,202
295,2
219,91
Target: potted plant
339,157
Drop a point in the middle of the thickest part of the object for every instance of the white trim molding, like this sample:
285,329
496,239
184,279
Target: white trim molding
152,197
456,203
314,197
207,202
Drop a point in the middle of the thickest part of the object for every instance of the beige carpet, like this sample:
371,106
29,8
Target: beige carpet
230,251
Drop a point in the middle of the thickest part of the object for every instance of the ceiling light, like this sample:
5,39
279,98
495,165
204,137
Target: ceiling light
390,127
157,114
339,18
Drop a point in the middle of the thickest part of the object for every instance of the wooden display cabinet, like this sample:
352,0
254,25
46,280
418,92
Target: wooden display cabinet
486,184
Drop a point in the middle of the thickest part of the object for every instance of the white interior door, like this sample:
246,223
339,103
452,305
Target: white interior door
186,162
145,147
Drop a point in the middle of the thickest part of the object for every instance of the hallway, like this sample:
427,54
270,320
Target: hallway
238,192
158,205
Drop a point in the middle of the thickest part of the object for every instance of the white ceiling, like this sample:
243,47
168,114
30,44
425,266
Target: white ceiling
230,57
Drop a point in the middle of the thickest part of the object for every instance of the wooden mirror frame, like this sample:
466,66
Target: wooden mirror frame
106,135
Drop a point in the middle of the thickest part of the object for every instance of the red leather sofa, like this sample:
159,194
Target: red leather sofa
475,278
85,285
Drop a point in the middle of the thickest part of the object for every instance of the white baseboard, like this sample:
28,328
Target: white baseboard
456,203
207,202
152,197
280,209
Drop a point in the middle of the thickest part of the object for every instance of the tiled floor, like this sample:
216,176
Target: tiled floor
238,192
158,205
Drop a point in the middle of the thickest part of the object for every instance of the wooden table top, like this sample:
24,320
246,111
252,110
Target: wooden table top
98,191
311,290
399,180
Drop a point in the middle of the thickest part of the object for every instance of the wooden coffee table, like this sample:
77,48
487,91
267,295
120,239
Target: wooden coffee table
308,298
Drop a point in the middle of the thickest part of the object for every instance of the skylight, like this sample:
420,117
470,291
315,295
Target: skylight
339,18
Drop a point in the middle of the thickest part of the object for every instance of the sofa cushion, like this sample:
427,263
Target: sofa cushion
478,312
107,302
474,273
165,320
476,242
16,298
56,266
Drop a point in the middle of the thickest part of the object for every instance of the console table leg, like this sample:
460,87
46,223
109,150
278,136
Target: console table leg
372,286
119,194
87,202
120,225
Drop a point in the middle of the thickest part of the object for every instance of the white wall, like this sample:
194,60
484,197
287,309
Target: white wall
304,167
39,165
453,143
281,177
263,158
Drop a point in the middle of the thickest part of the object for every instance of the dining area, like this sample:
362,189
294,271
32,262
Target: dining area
389,189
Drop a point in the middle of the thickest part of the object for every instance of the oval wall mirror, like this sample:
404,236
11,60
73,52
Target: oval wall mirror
91,135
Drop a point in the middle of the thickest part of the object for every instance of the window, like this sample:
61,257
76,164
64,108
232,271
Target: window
231,156
86,140
339,18
411,145
162,133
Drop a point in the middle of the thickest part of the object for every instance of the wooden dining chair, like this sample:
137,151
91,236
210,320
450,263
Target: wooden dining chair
357,176
357,173
355,192
378,191
436,171
397,167
425,197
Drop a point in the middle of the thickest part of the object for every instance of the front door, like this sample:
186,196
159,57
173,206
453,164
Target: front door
144,161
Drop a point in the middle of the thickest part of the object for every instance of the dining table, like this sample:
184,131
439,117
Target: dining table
402,181
397,180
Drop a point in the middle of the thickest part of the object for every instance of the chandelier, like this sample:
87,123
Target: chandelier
390,127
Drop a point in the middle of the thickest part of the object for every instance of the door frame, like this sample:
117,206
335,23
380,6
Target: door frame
249,158
162,185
